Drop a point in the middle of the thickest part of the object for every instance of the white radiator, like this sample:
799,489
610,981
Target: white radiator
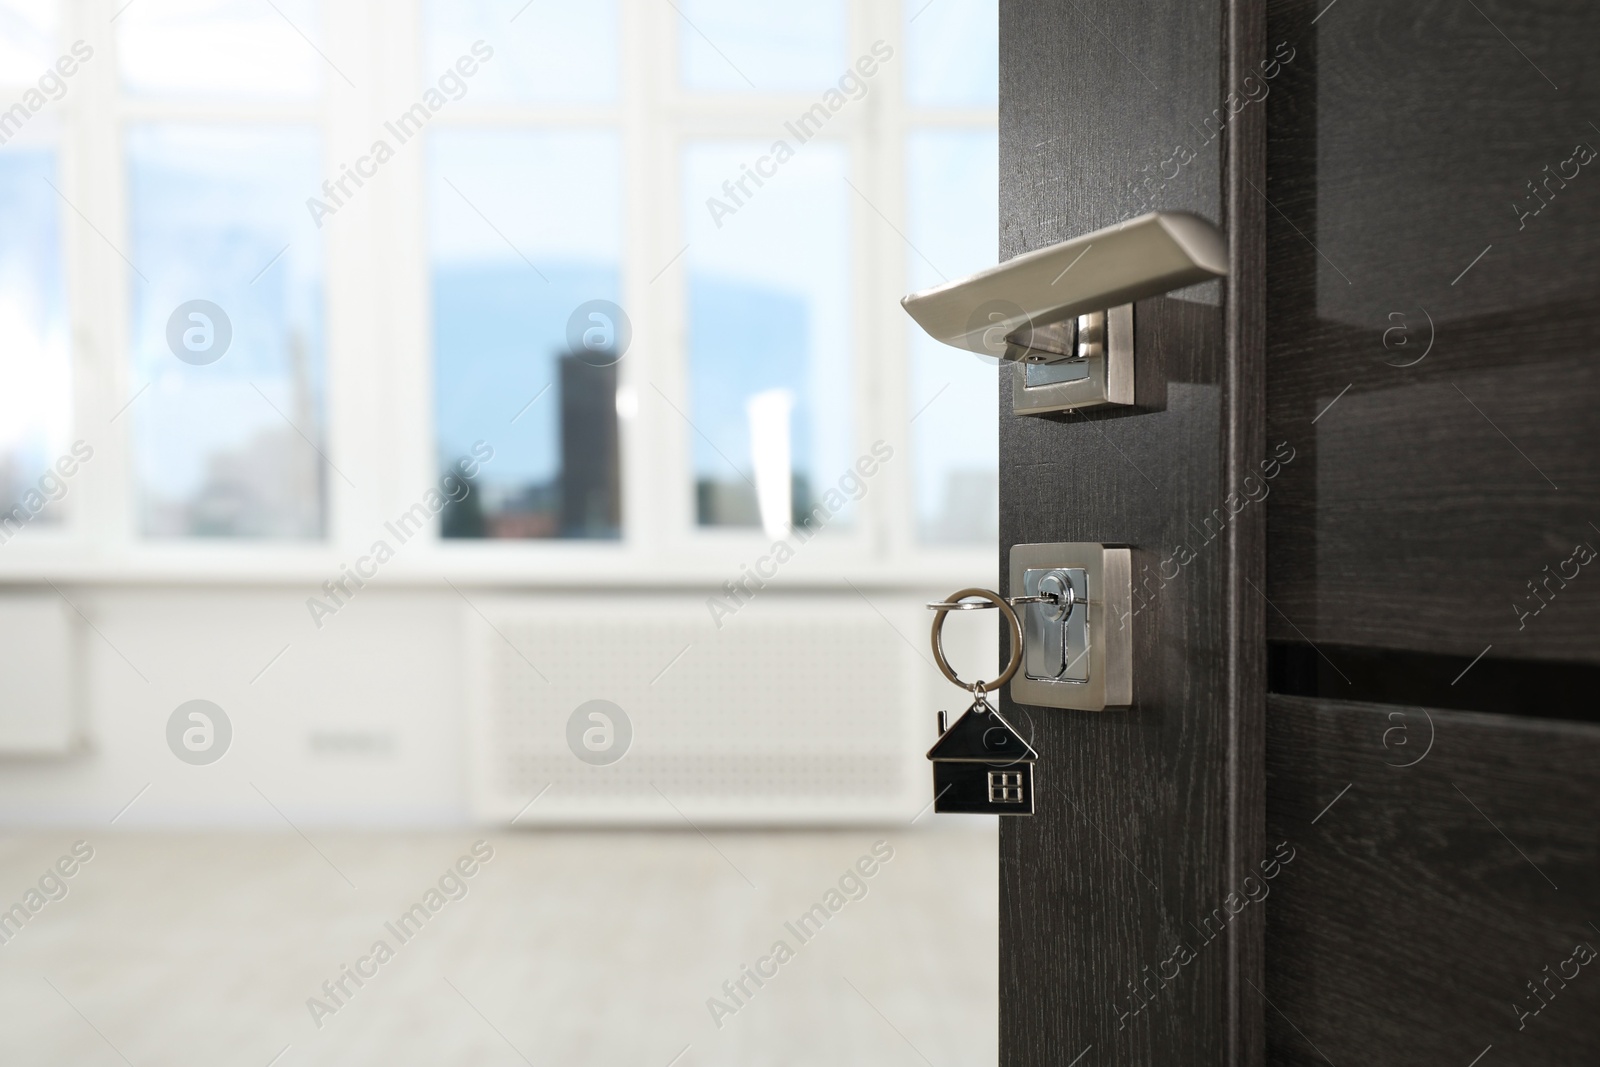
40,675
800,708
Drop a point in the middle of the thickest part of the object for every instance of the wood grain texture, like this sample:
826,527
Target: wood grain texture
1246,441
1147,817
1429,495
1424,898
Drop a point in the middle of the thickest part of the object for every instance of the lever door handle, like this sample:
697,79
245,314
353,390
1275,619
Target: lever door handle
1145,256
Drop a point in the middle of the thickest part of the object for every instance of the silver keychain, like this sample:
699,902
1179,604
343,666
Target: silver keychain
981,765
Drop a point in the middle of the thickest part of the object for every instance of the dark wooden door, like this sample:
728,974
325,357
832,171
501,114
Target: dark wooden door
1435,181
1353,815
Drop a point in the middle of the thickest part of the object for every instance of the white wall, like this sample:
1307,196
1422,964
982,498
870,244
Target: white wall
366,721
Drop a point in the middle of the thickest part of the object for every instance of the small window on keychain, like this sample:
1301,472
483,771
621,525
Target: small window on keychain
981,765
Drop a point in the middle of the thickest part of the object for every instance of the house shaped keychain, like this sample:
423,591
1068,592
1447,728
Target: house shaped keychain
981,766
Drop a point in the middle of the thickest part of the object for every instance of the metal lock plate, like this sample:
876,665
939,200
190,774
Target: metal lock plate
1085,659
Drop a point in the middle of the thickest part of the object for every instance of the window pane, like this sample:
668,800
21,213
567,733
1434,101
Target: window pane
526,230
542,51
27,39
240,48
228,438
769,332
35,375
761,45
953,53
954,221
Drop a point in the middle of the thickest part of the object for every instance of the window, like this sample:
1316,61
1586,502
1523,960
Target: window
770,288
508,369
227,331
29,30
35,368
525,255
35,374
1005,787
226,270
954,421
220,49
769,334
545,51
952,167
954,59
648,255
761,45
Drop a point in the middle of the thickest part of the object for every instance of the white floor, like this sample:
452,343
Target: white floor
567,948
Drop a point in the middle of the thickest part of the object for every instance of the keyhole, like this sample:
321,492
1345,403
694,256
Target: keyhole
1056,585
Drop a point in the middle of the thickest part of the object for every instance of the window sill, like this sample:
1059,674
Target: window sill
538,565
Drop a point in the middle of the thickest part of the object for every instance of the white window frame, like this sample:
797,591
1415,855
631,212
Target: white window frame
379,359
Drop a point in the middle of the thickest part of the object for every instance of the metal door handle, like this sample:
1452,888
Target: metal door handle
1065,311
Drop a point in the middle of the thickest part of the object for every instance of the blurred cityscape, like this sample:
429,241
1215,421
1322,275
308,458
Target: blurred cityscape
584,497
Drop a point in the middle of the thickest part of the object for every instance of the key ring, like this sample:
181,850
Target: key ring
954,603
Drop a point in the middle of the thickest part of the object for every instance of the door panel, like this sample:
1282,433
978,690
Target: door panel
1431,352
1446,402
1147,817
1443,860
